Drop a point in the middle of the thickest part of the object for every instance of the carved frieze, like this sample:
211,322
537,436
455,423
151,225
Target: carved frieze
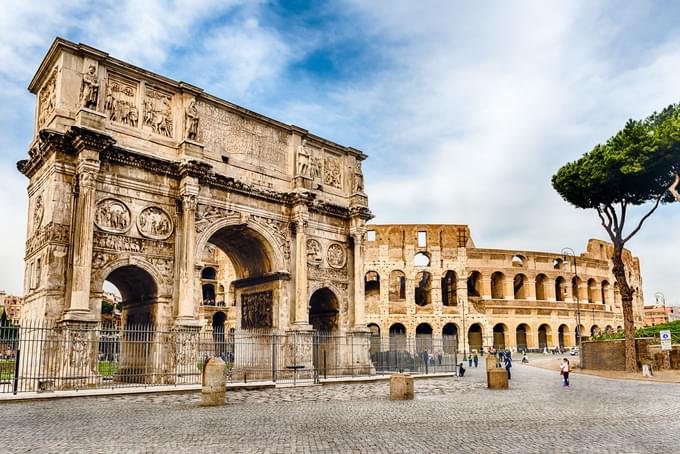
50,233
314,253
332,175
47,99
256,310
279,229
154,222
336,256
112,215
241,138
120,104
121,243
158,112
165,266
206,215
327,274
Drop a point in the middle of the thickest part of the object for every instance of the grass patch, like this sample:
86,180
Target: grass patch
107,368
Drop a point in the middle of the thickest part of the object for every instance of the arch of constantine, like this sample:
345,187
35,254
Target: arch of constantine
432,281
141,181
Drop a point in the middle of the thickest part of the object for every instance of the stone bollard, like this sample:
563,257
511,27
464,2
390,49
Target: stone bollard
647,370
497,378
401,387
491,362
214,385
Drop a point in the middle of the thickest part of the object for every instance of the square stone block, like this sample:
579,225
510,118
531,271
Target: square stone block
401,387
497,378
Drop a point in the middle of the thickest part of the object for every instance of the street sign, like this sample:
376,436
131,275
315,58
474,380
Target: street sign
665,340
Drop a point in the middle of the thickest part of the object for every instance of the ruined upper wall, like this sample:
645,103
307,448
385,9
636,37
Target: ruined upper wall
171,120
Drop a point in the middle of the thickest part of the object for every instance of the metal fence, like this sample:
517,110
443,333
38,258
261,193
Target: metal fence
44,357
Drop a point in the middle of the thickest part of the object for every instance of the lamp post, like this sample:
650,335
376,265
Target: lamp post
461,303
569,252
660,296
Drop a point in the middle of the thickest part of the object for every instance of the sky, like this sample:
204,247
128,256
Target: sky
465,109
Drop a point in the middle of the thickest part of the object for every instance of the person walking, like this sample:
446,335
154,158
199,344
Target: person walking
469,360
508,365
475,359
564,371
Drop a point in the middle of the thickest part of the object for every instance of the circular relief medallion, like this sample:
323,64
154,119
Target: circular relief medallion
112,216
336,256
314,252
38,211
154,223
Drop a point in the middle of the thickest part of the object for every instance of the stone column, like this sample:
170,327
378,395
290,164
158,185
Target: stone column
486,287
359,303
509,288
186,257
301,322
549,289
530,289
83,236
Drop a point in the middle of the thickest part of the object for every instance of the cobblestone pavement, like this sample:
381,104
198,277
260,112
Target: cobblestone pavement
448,415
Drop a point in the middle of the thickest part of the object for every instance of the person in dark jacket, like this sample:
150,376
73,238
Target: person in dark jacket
508,364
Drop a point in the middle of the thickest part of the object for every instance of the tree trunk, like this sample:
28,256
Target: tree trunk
627,305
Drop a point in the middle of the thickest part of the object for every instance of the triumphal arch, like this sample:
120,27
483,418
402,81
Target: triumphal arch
133,175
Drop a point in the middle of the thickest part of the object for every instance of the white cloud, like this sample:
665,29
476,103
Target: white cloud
485,102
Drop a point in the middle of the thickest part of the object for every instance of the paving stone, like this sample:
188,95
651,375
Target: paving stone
535,415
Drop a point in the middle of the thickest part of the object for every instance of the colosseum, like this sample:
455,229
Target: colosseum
430,282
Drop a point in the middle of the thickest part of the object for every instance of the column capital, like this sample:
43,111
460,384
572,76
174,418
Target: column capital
188,202
87,171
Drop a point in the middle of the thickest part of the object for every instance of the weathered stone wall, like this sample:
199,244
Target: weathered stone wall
610,354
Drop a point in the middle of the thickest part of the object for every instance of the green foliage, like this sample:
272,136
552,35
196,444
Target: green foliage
107,368
107,307
634,166
645,331
6,369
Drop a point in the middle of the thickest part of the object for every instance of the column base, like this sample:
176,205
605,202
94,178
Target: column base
301,327
78,315
187,323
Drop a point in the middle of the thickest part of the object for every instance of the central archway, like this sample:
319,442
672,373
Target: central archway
253,260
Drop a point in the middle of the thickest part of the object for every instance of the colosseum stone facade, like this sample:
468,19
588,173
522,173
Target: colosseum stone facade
432,281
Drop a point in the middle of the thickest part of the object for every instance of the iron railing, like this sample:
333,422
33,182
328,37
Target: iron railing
41,357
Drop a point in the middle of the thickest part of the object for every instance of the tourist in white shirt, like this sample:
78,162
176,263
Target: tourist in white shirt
564,371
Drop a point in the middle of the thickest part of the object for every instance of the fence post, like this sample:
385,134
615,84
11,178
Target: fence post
274,358
16,372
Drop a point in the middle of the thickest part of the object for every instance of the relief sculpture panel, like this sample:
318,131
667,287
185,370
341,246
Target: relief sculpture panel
120,104
47,99
154,223
314,256
336,255
158,112
332,175
224,132
256,310
112,216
